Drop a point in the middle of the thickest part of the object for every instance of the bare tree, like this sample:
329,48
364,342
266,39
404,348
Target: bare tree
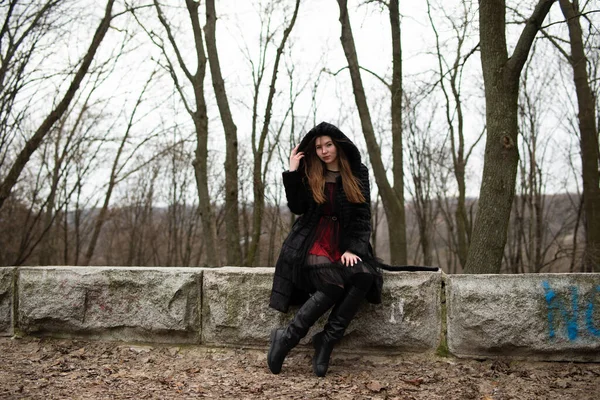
450,79
274,221
590,156
24,26
182,215
258,143
501,75
392,197
425,158
68,139
245,195
117,172
36,139
535,199
63,146
198,112
232,232
527,234
397,227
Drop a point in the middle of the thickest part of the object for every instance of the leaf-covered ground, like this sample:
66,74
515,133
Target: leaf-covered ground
64,369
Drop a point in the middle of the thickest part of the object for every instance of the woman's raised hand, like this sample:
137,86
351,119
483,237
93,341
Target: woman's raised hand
349,259
295,158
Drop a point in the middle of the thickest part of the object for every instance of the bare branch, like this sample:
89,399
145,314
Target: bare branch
379,78
570,18
533,25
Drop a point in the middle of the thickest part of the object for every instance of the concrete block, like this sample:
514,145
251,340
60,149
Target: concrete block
235,311
7,281
235,306
408,319
553,317
111,303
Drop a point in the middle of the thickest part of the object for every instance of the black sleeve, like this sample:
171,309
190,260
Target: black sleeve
359,225
295,191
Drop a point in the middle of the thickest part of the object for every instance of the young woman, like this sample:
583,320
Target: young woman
327,252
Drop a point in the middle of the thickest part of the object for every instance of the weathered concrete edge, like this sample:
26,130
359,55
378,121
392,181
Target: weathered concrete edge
139,334
225,322
15,301
8,320
584,349
525,354
132,333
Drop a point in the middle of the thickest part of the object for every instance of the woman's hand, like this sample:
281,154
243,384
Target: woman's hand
349,259
295,158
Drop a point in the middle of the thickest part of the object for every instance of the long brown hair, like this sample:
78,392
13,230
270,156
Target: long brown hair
315,172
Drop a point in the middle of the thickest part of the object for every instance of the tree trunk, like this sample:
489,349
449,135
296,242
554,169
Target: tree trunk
77,224
463,232
199,116
375,219
233,253
425,232
397,226
258,206
273,235
501,76
588,139
462,223
34,142
200,163
394,209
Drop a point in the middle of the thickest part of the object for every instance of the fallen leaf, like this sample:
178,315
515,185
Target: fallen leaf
416,382
256,389
140,349
375,386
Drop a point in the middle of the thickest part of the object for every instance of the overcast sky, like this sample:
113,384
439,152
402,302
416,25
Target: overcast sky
316,46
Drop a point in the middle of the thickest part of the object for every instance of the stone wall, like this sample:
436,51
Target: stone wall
7,290
132,304
235,311
539,316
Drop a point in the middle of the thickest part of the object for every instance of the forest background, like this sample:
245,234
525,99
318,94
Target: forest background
154,133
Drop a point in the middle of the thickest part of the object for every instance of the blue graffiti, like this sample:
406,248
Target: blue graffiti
570,317
589,313
556,304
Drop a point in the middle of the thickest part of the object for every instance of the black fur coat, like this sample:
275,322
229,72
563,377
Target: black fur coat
355,223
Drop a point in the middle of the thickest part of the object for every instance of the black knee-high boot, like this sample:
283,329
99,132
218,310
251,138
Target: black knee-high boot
283,340
339,319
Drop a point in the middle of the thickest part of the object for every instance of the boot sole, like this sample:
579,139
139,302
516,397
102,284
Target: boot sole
273,334
314,359
317,343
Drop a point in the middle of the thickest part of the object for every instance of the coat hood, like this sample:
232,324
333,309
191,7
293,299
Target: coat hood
327,129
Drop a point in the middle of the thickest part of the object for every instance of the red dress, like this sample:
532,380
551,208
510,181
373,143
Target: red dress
326,242
323,268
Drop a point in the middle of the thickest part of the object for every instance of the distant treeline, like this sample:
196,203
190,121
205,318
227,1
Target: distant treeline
145,235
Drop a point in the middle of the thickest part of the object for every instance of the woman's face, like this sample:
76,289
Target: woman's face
326,149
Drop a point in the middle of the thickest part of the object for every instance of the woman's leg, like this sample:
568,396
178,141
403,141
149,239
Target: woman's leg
283,340
339,320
